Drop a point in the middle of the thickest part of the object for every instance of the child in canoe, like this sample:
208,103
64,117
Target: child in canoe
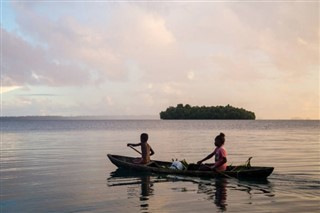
146,150
220,156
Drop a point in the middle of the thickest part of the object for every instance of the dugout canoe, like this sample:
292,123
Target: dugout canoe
162,167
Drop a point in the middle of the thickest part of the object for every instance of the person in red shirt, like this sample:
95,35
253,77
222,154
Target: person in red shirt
220,156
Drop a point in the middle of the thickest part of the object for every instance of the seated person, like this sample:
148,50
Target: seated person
146,150
220,156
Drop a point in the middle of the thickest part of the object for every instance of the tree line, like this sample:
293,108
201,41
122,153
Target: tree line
204,112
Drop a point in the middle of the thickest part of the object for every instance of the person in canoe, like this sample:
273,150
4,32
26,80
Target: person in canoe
146,150
220,156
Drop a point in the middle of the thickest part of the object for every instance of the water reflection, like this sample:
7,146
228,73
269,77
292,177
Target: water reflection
124,177
221,194
256,187
216,191
146,191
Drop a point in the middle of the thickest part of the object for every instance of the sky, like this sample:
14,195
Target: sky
123,58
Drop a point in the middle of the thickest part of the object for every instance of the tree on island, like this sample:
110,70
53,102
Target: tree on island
204,112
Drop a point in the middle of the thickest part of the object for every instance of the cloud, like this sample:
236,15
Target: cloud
8,89
39,95
25,64
157,39
162,53
49,49
190,75
287,33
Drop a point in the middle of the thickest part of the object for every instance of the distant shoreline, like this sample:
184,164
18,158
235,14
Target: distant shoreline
133,117
53,117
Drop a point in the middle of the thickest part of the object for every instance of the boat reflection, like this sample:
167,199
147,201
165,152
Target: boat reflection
132,179
218,190
215,190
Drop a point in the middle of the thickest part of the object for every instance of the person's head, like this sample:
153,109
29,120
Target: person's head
219,140
144,137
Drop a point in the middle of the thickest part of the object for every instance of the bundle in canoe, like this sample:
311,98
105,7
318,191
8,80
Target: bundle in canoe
163,167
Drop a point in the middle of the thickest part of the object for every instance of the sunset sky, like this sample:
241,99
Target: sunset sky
115,58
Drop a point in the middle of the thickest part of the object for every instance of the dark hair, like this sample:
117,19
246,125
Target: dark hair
144,137
220,137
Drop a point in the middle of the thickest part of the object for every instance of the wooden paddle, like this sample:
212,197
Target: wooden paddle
151,162
135,149
221,173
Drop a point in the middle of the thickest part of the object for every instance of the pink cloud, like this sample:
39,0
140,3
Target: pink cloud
256,47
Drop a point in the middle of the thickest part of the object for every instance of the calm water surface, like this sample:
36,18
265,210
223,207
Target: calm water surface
61,166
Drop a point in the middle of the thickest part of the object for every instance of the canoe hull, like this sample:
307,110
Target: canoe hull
162,168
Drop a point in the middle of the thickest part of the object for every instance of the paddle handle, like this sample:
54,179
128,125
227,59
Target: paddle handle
135,149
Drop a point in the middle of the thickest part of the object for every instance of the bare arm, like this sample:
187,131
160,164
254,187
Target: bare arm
151,151
208,157
134,144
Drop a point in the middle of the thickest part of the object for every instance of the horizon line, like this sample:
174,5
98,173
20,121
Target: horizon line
130,117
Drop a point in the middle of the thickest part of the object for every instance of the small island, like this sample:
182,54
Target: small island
204,112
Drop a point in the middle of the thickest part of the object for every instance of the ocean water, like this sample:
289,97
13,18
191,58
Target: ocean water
61,166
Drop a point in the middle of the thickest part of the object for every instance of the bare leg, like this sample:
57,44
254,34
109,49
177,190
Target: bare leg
137,160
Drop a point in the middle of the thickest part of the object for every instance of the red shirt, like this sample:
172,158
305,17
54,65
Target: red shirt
220,153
